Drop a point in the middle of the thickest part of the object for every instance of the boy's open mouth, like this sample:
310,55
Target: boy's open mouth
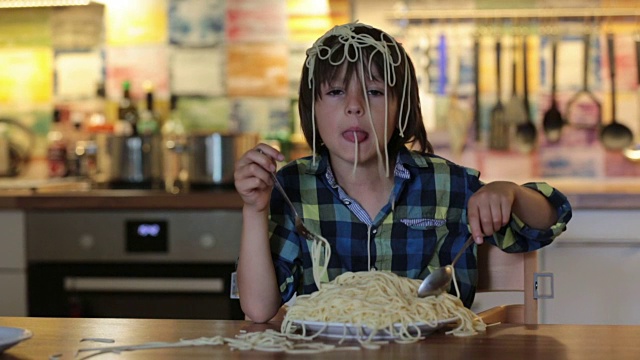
353,135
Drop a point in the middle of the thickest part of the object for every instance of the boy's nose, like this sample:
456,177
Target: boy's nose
354,110
355,104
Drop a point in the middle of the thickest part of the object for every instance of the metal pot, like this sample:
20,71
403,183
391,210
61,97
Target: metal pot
135,160
212,157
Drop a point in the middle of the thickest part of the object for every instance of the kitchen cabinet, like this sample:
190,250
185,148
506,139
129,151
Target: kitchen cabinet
13,275
595,265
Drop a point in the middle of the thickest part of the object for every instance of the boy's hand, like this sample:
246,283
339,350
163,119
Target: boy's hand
489,209
252,179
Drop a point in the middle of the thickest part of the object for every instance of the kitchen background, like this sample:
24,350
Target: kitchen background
234,66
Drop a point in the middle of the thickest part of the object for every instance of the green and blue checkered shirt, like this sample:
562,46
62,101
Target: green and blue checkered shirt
422,226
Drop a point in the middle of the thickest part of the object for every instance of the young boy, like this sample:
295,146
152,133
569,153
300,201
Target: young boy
379,204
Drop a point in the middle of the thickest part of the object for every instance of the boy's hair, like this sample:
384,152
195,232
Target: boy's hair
325,69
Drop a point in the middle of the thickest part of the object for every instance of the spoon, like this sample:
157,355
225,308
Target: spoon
439,279
552,120
614,136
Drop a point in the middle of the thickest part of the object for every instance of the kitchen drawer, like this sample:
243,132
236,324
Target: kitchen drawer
13,301
595,265
12,240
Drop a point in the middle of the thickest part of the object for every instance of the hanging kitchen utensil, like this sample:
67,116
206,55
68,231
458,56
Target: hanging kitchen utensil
499,132
476,87
457,115
514,110
552,121
614,136
633,153
526,133
584,110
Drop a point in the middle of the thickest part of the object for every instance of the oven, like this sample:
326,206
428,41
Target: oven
132,264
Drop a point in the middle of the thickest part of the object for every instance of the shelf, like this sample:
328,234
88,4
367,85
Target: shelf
537,13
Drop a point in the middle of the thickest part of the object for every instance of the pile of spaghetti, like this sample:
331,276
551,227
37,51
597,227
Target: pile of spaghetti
382,302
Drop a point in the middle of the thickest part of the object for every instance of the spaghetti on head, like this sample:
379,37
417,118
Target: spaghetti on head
364,51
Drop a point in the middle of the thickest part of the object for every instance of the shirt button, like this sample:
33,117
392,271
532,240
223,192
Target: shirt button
375,231
347,202
373,268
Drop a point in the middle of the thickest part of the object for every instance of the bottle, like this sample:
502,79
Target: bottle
56,147
95,162
75,135
174,142
97,118
149,119
127,112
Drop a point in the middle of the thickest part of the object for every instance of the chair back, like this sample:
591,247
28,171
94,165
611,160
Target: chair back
501,272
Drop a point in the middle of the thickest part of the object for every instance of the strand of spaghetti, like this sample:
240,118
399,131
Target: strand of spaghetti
320,255
355,159
370,116
455,283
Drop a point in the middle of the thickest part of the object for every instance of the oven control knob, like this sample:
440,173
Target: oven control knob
207,241
86,241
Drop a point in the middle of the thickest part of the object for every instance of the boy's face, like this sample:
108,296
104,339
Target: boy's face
343,121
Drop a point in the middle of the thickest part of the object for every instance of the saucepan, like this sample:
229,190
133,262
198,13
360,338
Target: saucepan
135,159
212,156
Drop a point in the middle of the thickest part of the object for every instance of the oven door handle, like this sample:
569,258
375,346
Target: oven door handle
138,284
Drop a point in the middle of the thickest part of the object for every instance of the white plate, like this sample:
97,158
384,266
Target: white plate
10,336
350,331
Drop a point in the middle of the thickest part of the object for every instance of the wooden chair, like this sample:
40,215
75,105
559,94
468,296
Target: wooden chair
503,272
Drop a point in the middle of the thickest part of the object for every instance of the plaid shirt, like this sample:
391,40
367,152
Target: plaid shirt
422,226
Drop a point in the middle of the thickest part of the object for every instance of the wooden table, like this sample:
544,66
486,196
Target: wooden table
62,336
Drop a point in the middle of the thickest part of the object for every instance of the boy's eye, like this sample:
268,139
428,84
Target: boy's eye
335,92
375,92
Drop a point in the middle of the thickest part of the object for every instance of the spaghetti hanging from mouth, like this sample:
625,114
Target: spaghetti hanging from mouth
355,158
353,45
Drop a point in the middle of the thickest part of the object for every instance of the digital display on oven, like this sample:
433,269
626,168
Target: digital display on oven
147,236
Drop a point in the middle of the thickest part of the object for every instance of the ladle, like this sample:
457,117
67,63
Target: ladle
633,152
438,281
614,136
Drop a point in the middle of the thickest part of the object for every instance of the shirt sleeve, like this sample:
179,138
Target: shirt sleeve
285,247
519,237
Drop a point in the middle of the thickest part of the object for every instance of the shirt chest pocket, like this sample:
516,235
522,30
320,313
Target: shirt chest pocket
423,223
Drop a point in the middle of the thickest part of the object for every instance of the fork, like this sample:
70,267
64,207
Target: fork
300,227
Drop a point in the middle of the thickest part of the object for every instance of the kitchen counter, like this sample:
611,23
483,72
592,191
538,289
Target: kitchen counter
119,199
583,194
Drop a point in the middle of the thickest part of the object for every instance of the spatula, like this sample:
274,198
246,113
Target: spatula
499,132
